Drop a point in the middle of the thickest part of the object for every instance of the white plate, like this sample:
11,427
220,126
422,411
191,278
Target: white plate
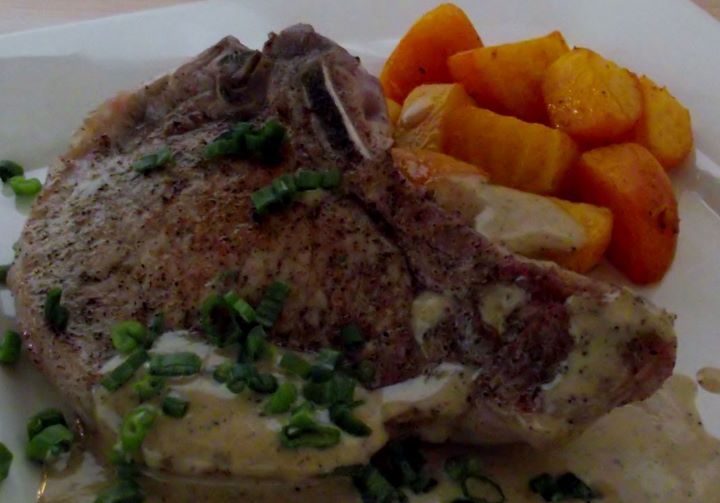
50,78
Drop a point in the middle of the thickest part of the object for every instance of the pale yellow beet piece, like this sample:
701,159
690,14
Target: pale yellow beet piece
424,112
591,98
664,127
517,154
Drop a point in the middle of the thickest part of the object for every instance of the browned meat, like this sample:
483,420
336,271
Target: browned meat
123,245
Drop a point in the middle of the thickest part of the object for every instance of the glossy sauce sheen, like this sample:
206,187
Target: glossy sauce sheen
656,451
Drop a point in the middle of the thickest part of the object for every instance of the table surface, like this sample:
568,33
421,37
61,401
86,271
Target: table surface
16,15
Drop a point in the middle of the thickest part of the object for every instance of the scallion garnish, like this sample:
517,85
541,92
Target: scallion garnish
245,310
266,143
306,179
331,178
22,186
153,161
264,199
174,406
262,383
4,269
10,345
465,467
121,374
157,326
374,487
304,431
6,458
282,399
135,426
148,387
222,372
339,389
50,442
271,304
341,414
284,186
44,419
219,321
125,491
256,345
10,169
175,364
324,366
295,365
128,335
351,337
567,486
56,315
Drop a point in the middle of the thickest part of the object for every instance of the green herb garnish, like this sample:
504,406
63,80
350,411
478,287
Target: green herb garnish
10,169
128,335
22,186
56,315
174,406
565,487
282,399
44,419
464,468
149,387
341,414
153,161
135,426
175,364
271,304
6,458
10,345
49,443
219,321
4,269
121,374
125,491
295,365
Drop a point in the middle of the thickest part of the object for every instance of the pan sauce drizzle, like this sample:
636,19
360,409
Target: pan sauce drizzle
656,451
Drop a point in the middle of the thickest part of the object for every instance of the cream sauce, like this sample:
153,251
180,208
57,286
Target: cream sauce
656,451
498,302
427,310
227,433
601,332
709,379
527,224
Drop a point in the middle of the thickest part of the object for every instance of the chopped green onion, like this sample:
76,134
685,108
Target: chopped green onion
22,186
157,326
128,335
6,458
245,310
175,364
229,143
149,387
256,345
10,347
10,169
236,386
364,371
44,419
56,315
271,305
174,406
124,372
374,487
339,389
262,383
331,178
135,426
125,491
465,467
50,442
342,416
324,366
153,161
295,365
222,372
238,376
306,179
304,431
218,320
567,486
283,398
284,186
264,199
351,337
266,143
4,269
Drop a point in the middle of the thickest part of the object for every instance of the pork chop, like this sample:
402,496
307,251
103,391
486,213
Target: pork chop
549,349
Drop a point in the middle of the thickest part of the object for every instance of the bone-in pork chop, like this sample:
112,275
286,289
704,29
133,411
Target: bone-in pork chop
548,348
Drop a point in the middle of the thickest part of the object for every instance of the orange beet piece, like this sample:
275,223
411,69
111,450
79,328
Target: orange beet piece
628,180
508,78
421,55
